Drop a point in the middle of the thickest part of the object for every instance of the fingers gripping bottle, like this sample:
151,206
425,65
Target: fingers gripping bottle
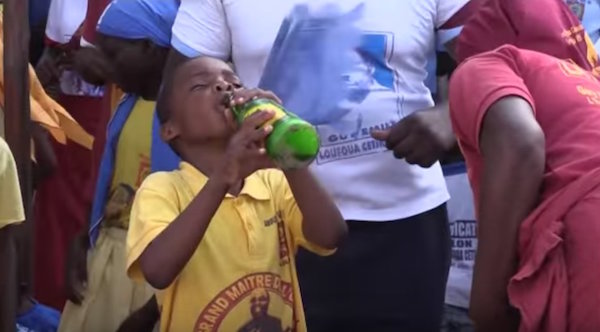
293,143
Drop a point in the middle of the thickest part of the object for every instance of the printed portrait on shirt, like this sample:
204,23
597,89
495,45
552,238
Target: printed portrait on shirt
262,301
371,81
257,302
261,320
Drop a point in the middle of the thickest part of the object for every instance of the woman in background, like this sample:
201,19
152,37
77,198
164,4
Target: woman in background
63,201
133,39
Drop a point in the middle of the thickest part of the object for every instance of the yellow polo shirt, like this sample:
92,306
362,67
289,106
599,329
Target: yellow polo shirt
243,276
11,205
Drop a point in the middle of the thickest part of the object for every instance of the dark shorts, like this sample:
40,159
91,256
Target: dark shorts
387,276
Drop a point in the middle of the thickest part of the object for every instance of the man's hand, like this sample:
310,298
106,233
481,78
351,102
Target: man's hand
76,274
421,138
48,70
47,67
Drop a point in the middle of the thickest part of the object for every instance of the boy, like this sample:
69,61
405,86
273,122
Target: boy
220,231
532,150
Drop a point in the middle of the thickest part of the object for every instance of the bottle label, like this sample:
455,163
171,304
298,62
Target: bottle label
279,112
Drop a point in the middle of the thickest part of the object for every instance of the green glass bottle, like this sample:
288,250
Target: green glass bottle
293,143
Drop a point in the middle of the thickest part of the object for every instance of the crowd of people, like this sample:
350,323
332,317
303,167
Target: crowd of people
457,194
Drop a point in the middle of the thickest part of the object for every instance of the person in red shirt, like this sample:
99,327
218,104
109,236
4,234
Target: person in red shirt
546,26
528,125
59,218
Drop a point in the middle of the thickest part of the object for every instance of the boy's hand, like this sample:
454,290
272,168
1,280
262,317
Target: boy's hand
246,152
76,274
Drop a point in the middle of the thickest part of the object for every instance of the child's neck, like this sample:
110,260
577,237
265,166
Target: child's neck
207,158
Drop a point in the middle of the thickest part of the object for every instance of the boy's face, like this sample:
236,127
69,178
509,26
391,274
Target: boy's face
197,102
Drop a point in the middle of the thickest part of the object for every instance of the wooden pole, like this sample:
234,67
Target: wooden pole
18,125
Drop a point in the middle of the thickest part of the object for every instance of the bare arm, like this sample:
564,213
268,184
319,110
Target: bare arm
323,223
164,258
513,148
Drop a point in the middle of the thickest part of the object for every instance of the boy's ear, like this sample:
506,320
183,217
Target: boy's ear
168,132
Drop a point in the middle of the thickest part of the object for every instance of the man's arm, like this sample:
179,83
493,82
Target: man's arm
512,145
323,224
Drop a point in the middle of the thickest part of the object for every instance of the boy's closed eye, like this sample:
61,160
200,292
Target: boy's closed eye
199,86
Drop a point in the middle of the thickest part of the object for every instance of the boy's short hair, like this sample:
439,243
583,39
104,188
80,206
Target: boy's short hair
167,87
165,93
163,105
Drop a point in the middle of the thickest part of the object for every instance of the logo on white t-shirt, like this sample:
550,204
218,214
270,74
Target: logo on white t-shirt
371,77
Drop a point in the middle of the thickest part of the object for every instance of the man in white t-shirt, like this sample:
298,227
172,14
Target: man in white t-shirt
391,273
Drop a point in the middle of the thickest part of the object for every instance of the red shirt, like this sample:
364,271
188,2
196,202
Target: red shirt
565,99
546,26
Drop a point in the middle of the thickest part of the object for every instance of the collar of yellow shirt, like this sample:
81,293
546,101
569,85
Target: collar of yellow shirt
253,185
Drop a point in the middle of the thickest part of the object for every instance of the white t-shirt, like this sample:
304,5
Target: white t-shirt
461,214
64,18
365,179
